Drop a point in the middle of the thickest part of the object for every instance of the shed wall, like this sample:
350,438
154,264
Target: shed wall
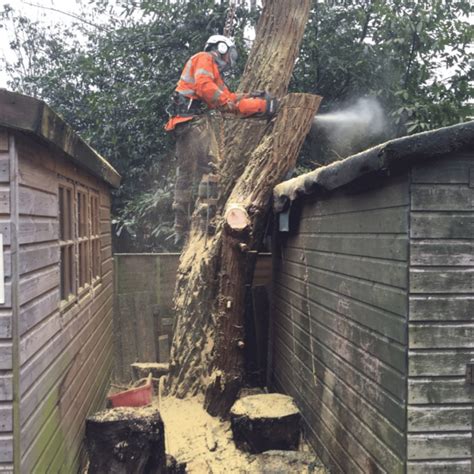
65,351
6,341
339,325
441,328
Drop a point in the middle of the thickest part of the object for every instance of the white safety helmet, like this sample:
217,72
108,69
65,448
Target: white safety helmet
222,45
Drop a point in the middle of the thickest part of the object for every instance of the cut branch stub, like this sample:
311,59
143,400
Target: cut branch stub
237,217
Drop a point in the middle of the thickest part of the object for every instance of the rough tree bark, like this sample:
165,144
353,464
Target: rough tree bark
255,154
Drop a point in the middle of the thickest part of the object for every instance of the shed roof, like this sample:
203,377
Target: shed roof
20,112
383,158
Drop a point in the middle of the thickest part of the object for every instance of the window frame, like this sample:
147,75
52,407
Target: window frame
84,242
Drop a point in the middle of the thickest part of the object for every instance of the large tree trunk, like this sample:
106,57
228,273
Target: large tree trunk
255,155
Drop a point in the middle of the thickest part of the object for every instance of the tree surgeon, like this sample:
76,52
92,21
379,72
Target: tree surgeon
201,89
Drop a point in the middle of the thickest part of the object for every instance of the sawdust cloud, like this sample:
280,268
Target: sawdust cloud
349,129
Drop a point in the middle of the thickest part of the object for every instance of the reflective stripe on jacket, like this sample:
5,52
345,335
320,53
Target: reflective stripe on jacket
201,80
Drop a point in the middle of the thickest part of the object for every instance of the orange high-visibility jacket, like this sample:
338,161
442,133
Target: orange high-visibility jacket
201,80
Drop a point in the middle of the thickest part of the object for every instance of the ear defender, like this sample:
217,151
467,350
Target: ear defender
222,48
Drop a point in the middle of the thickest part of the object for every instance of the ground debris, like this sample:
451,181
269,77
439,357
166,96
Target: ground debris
190,431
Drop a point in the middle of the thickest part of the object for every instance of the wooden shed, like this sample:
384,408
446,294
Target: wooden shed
373,304
56,287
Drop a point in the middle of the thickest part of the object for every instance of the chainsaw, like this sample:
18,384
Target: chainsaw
258,103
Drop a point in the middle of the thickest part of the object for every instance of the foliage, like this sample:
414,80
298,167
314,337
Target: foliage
412,56
112,83
110,76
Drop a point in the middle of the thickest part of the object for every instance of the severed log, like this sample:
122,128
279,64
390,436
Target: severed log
249,202
213,269
126,441
265,422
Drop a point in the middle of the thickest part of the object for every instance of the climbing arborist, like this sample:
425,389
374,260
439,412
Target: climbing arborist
199,89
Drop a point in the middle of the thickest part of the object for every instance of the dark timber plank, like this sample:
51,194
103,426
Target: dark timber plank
439,418
439,362
432,336
442,197
439,446
442,308
441,280
437,390
446,171
372,293
442,252
383,221
376,270
439,225
390,247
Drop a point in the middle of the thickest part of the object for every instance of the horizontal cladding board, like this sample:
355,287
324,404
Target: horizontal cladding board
5,230
38,256
4,168
323,359
342,427
393,193
346,404
387,272
313,437
437,390
342,333
439,446
37,229
441,308
5,324
439,363
337,456
440,467
441,280
33,341
303,297
37,310
453,170
38,283
72,402
34,174
390,247
441,225
32,202
439,418
433,336
6,448
67,418
72,337
104,213
442,197
4,199
6,417
373,294
442,252
6,386
6,351
379,221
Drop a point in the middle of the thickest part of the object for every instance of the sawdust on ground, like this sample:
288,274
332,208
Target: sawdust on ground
204,442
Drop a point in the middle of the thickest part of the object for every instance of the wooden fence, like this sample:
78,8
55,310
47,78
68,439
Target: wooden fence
143,312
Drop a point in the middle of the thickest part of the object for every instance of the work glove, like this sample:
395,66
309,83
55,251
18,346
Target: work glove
230,107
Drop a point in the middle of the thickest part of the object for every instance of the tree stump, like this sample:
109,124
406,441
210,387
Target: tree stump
126,441
265,422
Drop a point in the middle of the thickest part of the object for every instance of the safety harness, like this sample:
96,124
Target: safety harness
184,106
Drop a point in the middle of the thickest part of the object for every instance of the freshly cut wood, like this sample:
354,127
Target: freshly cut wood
126,440
265,422
216,268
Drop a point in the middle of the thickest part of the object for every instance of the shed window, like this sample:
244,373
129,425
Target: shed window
79,238
66,240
